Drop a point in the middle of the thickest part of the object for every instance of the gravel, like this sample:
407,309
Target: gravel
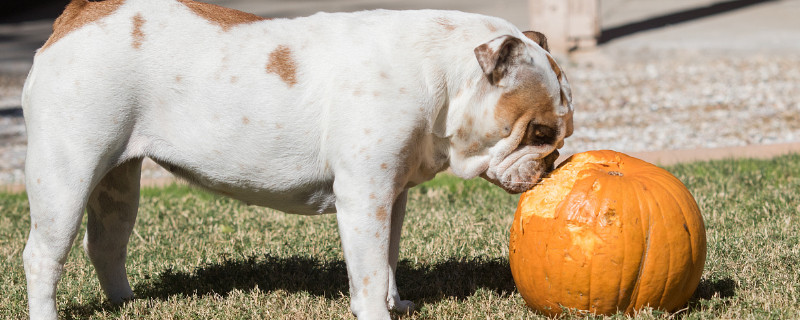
626,101
647,101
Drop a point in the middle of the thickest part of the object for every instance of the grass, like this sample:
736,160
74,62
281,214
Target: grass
198,256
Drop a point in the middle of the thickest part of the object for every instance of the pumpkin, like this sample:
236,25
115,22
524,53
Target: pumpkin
606,232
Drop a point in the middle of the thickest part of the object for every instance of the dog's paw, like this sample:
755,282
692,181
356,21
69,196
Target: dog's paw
402,306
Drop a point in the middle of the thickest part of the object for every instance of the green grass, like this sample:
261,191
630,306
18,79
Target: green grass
199,256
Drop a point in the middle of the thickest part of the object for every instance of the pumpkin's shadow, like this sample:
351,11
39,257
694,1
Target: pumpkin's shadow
717,288
712,289
455,278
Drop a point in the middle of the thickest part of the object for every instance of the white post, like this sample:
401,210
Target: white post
568,24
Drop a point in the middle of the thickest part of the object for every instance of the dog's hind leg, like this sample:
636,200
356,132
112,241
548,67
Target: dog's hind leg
398,214
112,208
58,183
62,168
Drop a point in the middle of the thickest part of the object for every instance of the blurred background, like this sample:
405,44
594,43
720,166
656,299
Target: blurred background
664,80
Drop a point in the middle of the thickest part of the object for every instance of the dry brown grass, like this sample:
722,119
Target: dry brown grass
199,256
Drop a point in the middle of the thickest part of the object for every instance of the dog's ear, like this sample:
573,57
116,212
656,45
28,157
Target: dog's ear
497,56
539,38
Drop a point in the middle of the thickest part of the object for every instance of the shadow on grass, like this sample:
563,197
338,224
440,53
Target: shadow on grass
720,288
455,278
712,289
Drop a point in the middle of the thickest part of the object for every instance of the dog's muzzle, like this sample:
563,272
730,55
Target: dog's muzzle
525,173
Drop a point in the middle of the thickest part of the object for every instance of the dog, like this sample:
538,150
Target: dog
336,112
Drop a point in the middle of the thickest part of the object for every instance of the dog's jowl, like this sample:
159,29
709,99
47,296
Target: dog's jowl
331,113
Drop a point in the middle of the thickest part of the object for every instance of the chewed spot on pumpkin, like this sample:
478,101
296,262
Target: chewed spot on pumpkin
606,232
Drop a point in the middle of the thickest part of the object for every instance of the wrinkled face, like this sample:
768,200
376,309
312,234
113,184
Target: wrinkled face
535,113
530,114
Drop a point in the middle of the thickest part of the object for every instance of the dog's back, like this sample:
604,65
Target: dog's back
167,79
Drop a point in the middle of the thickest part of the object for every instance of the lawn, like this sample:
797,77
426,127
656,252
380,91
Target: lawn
199,256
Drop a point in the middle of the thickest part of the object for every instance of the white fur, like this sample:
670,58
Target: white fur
373,112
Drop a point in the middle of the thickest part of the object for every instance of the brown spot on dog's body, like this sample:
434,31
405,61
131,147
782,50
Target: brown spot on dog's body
79,13
446,23
384,166
381,214
178,78
137,34
366,280
491,27
462,133
282,64
226,18
245,120
473,148
234,79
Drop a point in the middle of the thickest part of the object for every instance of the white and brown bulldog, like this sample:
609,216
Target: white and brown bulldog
330,113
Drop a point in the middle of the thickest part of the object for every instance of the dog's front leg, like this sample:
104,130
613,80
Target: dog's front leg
364,218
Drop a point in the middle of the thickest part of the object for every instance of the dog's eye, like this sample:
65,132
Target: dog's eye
538,135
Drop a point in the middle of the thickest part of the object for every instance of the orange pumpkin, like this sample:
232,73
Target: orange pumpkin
606,232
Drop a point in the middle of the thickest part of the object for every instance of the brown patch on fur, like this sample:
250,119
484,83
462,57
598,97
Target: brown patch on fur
381,214
366,280
137,33
234,79
555,67
79,13
446,23
462,133
473,148
245,120
402,91
384,75
491,27
372,196
367,131
384,166
178,78
226,18
282,64
512,105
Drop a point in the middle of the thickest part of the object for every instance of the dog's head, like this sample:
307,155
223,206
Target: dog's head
517,115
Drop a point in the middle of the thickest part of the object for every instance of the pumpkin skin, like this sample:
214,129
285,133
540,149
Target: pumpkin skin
606,232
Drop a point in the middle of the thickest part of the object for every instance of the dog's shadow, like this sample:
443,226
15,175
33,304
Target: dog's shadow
423,284
456,278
